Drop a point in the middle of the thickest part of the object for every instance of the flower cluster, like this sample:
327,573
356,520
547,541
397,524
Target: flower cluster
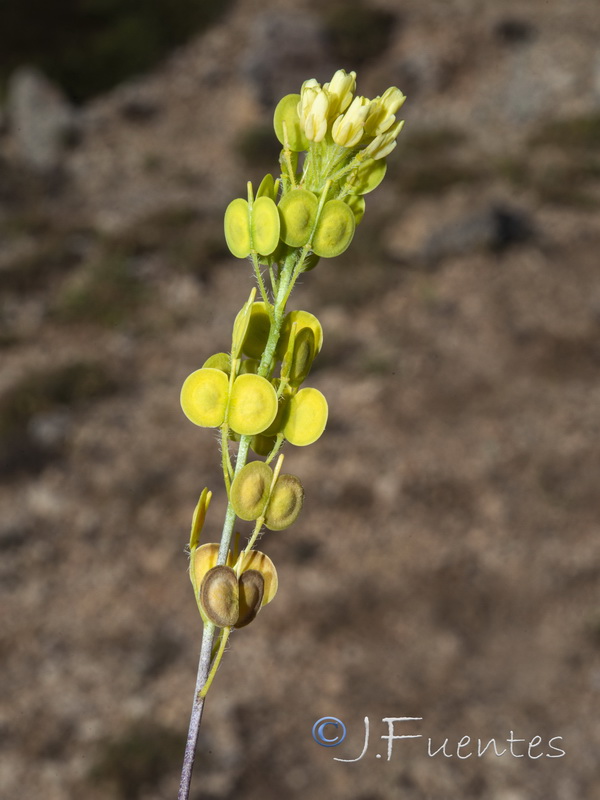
351,122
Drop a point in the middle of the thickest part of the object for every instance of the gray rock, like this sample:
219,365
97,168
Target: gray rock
40,118
494,228
285,48
433,233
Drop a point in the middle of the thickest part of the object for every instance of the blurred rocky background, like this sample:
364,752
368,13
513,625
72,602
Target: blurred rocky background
447,560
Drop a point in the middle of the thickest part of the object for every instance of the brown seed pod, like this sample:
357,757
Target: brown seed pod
251,590
219,596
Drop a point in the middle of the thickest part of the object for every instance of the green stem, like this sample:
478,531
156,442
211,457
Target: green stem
216,661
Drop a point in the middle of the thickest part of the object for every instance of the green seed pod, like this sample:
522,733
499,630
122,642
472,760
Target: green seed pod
249,365
204,397
240,325
306,417
237,228
357,205
252,404
250,490
303,319
267,187
287,111
264,226
263,564
368,176
220,361
251,591
300,360
262,445
285,503
219,596
298,210
257,332
335,229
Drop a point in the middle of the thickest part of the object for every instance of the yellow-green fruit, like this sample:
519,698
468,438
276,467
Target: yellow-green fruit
277,425
303,319
263,564
287,111
264,225
285,503
252,404
368,176
250,490
251,591
267,187
357,205
237,228
335,229
220,361
240,325
302,357
249,365
219,596
257,332
262,445
204,397
298,210
306,417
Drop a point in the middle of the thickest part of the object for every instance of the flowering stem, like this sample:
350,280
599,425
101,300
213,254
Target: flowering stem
207,665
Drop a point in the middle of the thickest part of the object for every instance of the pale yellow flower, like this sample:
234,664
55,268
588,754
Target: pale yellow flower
313,110
382,112
382,145
340,90
348,129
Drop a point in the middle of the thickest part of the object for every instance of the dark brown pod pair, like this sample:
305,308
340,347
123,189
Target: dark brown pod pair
229,602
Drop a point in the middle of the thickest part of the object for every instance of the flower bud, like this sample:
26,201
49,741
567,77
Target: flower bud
340,91
381,113
382,145
313,108
348,129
